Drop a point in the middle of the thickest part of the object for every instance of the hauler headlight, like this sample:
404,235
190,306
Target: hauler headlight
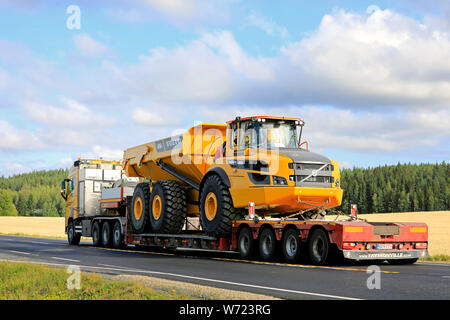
279,180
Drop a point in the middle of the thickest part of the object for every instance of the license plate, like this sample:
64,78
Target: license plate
385,246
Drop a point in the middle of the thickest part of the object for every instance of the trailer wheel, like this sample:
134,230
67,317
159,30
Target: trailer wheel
403,261
245,243
267,244
167,207
319,247
96,234
117,238
291,245
216,207
139,207
72,238
106,234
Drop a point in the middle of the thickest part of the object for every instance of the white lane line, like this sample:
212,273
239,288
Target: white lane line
112,266
19,252
64,259
207,280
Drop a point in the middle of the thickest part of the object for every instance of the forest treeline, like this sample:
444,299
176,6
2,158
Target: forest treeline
399,188
33,194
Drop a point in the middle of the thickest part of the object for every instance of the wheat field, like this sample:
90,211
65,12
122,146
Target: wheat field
438,226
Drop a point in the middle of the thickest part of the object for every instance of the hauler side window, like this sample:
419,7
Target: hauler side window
73,184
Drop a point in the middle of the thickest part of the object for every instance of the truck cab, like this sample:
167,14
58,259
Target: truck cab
87,189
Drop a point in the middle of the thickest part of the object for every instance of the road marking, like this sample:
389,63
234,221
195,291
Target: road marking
64,259
256,262
206,280
135,251
112,266
19,252
302,266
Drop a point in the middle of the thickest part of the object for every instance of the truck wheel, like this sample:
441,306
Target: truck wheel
96,234
106,234
267,244
117,238
291,245
72,238
403,261
319,247
139,207
216,208
245,243
167,207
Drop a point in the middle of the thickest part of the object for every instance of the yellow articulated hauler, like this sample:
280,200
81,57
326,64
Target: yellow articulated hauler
215,170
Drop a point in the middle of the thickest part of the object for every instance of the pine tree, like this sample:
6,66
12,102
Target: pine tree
7,207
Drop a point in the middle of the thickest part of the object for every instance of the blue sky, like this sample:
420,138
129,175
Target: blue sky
371,79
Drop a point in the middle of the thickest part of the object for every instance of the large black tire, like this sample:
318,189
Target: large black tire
140,208
117,236
106,235
96,234
246,243
167,207
267,244
291,245
217,222
319,247
72,238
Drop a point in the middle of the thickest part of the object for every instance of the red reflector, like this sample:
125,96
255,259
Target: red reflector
349,245
421,245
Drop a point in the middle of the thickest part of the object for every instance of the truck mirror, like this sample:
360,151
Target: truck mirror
63,190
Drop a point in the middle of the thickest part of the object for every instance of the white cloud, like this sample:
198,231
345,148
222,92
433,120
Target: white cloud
16,139
154,118
331,128
357,61
266,24
70,114
12,168
87,46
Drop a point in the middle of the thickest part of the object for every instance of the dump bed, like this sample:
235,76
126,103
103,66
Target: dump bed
189,152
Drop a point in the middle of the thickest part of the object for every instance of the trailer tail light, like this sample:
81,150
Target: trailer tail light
421,245
251,210
349,245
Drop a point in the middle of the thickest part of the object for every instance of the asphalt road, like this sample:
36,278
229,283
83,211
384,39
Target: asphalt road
418,281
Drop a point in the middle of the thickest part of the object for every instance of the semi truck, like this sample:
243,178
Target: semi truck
247,186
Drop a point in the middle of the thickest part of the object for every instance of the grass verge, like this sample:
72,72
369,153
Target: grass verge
437,258
21,281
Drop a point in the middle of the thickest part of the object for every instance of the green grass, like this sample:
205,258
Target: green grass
21,281
437,258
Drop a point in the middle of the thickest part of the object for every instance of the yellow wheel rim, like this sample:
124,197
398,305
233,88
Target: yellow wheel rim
138,208
211,206
156,207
